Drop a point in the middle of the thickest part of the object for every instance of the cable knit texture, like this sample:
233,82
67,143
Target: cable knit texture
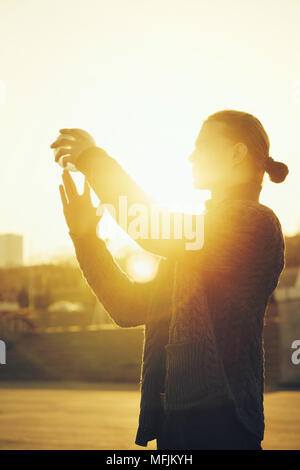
203,313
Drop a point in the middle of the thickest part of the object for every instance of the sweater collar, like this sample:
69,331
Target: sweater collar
249,191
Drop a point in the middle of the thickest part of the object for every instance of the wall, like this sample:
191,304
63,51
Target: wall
107,354
289,312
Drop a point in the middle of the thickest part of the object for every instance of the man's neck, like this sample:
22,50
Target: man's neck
218,193
245,190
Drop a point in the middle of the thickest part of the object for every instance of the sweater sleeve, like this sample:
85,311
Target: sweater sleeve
110,182
127,302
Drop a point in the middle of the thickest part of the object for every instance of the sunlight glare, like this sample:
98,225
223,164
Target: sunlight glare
142,267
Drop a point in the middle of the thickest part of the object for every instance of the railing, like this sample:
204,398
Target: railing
14,325
79,328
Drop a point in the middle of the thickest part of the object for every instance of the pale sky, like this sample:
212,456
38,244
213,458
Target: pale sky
140,76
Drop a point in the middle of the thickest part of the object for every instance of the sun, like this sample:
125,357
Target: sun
142,267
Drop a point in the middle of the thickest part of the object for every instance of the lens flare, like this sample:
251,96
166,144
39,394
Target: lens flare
142,267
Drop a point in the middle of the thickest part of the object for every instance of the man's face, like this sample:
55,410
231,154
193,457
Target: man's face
212,157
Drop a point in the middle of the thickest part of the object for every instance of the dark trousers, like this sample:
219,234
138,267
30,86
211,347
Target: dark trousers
216,429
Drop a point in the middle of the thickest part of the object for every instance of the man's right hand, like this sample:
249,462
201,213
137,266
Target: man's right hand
70,144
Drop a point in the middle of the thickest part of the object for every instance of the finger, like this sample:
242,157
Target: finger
63,137
62,142
71,190
65,160
63,197
74,132
63,152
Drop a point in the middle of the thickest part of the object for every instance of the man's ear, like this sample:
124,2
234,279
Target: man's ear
240,151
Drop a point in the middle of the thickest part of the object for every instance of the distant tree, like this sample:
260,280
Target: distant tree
42,300
23,298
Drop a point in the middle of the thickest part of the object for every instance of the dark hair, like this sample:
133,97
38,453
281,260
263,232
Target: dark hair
249,129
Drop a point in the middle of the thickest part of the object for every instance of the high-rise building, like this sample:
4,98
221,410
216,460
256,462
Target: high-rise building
11,250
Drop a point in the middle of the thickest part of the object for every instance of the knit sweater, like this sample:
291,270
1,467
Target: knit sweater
204,311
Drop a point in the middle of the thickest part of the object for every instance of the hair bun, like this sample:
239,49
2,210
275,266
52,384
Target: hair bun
277,171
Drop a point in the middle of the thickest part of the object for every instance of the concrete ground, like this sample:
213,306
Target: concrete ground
59,415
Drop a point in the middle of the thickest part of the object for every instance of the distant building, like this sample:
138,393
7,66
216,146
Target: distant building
289,285
11,250
287,296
